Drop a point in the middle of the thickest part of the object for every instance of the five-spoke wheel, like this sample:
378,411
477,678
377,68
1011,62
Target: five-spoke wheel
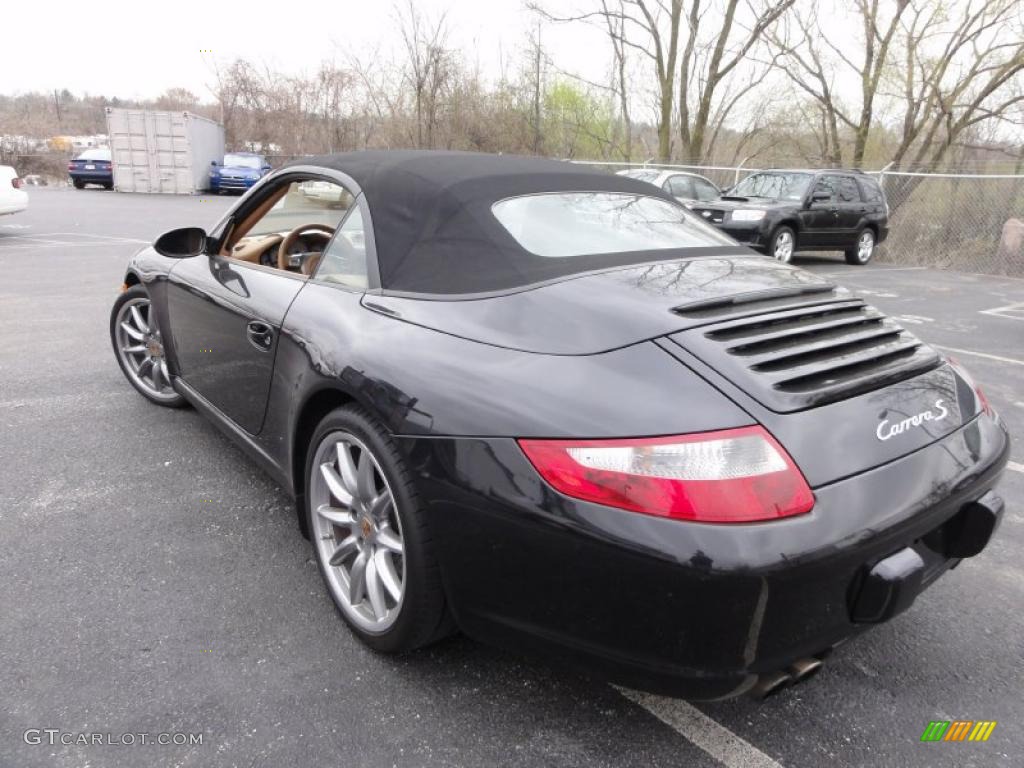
783,244
861,253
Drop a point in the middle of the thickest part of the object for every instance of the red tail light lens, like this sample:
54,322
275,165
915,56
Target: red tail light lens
71,166
733,476
983,402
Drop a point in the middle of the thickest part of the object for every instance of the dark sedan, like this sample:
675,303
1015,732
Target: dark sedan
554,409
94,166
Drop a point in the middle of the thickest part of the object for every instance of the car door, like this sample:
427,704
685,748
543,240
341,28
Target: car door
820,217
225,311
851,210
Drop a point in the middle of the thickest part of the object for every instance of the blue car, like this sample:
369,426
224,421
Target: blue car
239,171
92,167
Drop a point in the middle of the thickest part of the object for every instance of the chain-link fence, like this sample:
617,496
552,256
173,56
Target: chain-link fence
963,222
969,223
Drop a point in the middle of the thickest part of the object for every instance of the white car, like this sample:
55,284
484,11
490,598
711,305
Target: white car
12,198
687,188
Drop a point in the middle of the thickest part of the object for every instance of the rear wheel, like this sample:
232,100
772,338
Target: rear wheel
79,184
369,535
862,252
782,245
139,348
108,185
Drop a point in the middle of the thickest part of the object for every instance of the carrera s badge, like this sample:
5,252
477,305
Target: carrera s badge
889,429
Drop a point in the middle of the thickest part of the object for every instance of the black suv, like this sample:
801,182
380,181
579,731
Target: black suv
782,212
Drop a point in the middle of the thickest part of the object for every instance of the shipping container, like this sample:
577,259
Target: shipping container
164,152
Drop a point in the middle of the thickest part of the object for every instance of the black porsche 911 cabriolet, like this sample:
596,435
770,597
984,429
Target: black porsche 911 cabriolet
550,407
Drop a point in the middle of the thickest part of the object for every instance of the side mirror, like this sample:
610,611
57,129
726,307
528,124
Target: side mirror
214,162
181,243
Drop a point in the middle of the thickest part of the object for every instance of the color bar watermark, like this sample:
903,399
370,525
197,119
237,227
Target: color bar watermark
958,730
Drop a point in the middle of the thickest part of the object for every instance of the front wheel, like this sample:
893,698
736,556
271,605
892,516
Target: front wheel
861,253
139,348
782,245
369,535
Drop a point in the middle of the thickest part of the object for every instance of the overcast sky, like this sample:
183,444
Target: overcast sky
139,49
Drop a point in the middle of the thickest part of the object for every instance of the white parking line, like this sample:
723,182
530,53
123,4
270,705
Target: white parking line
1010,311
699,729
980,354
1015,466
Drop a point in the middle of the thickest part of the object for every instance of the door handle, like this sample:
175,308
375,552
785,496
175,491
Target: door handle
260,335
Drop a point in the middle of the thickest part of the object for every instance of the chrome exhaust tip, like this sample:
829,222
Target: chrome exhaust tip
804,669
770,684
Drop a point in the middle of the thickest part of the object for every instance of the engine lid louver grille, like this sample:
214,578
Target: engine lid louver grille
800,352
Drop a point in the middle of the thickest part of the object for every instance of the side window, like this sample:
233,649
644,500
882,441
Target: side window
344,261
870,190
826,185
289,227
679,186
848,192
704,190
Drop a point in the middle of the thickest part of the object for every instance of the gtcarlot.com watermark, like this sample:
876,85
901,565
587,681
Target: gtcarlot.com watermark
54,736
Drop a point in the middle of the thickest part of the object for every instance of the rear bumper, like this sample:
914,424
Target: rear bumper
688,609
92,177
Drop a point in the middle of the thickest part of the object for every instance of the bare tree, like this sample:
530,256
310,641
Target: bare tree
650,27
430,67
709,63
812,59
715,50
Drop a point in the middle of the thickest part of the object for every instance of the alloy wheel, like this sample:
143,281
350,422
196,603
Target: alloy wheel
783,246
865,246
141,349
357,532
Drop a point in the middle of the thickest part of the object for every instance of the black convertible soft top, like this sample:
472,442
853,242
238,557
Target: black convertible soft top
434,229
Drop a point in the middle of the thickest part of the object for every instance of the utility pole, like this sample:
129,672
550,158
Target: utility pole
56,103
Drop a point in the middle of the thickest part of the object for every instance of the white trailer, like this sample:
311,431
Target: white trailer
168,152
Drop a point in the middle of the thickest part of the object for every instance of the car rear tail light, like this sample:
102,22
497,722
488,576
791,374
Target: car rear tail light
733,476
71,166
16,182
983,402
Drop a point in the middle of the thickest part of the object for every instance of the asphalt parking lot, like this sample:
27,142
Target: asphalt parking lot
154,580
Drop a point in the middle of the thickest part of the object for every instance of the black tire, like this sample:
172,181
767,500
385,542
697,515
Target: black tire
776,244
108,185
864,248
79,184
168,398
423,617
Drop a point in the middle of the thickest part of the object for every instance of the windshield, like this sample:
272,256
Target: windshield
243,161
773,186
648,176
590,223
95,154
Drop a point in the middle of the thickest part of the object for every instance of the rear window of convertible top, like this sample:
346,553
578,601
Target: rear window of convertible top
565,224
